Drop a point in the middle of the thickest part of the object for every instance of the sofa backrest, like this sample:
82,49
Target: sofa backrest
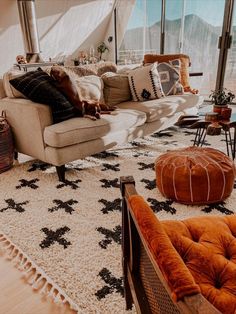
2,90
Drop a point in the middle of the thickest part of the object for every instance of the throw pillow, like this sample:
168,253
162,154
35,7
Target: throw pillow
116,88
185,63
39,87
145,83
169,76
10,91
90,87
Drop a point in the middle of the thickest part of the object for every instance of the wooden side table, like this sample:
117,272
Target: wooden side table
208,128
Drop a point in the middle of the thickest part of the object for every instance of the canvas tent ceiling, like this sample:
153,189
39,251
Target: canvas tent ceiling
65,27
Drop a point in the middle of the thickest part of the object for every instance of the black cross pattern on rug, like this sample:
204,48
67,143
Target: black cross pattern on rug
150,184
187,132
55,236
73,184
110,235
28,183
110,206
136,144
234,184
161,134
218,206
63,205
157,206
146,166
110,183
113,284
105,154
13,205
39,166
139,154
110,167
175,143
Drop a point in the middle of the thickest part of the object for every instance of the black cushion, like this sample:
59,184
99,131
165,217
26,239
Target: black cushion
39,87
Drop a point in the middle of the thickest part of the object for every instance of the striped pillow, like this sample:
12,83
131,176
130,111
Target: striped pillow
145,83
39,87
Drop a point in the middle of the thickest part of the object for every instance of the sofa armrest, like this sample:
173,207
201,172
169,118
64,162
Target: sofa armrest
28,121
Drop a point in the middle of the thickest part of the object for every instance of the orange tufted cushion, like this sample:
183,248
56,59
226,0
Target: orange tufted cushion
178,277
206,245
185,62
195,175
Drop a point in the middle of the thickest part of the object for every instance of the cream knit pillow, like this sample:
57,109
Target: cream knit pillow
145,83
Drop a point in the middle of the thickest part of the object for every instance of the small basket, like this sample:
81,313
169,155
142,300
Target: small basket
6,144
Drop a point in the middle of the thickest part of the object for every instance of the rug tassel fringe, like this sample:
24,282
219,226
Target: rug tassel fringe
35,276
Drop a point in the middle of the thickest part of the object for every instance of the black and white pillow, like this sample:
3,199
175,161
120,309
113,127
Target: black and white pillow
39,87
169,77
145,83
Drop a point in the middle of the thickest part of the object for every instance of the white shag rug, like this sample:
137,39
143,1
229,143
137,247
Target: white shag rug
72,231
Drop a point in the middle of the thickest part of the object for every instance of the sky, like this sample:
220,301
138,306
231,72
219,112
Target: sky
209,10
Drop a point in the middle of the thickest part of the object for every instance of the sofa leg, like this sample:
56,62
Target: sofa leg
15,155
61,172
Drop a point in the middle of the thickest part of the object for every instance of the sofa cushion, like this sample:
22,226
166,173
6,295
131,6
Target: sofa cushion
145,83
39,87
116,88
164,107
78,130
10,91
2,90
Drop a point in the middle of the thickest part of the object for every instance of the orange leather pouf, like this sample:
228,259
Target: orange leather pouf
195,175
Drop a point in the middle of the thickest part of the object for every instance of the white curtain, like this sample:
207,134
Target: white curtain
65,27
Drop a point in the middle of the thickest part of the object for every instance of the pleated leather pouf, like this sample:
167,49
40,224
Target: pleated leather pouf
195,175
6,144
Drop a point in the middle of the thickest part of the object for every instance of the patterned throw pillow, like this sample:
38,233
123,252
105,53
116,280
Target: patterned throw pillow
39,87
145,83
185,63
170,78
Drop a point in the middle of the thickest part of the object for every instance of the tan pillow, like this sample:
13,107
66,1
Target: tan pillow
90,87
10,91
116,88
145,83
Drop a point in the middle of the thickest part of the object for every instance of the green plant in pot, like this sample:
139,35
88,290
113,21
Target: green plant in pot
220,99
101,49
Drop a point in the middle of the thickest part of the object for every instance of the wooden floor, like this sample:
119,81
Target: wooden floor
18,297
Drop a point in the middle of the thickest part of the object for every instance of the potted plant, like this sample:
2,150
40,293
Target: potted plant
220,99
101,49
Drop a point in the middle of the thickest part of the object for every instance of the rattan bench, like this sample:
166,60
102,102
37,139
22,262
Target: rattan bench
144,283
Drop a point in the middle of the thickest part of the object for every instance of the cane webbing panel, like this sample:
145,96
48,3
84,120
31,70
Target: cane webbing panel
158,298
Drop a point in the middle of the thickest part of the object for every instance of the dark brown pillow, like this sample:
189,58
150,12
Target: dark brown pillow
67,86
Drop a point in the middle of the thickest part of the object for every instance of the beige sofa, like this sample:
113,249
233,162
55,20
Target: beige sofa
60,143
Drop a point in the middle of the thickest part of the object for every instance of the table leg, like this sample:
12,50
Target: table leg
203,139
227,142
196,137
234,144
